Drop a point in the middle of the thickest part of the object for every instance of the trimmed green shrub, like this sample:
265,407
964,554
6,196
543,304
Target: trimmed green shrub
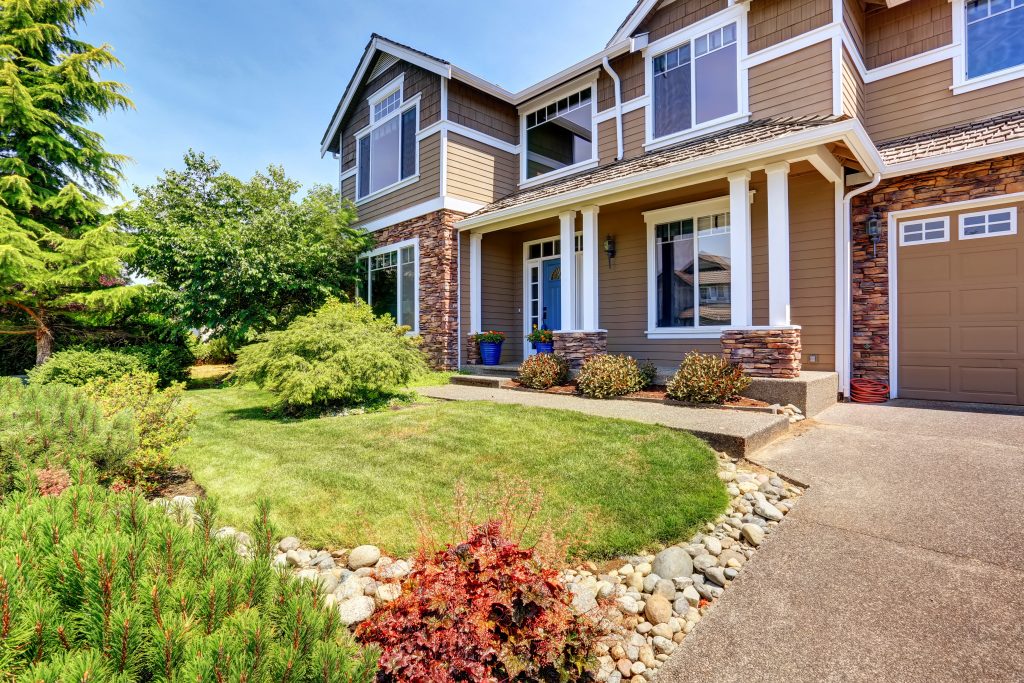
170,362
100,586
648,373
55,425
543,370
78,366
706,378
607,376
342,355
218,351
160,420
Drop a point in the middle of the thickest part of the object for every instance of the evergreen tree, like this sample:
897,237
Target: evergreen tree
60,256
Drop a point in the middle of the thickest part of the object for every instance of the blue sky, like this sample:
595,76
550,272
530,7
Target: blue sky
254,82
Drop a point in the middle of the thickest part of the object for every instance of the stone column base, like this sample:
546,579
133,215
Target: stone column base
472,350
764,352
578,346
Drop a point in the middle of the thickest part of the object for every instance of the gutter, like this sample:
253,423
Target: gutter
618,106
848,238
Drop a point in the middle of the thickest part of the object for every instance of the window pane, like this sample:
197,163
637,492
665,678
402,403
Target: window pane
534,251
409,142
564,138
407,313
715,277
993,41
384,291
672,111
384,147
716,74
674,270
364,166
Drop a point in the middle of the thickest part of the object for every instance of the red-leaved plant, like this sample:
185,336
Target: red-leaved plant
52,481
485,610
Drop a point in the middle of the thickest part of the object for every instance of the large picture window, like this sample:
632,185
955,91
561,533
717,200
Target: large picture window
560,134
386,153
994,30
389,283
696,82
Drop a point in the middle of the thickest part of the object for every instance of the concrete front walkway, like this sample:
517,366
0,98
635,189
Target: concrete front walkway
903,562
733,431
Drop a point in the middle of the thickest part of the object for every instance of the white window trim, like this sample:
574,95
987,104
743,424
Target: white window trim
398,246
924,219
737,14
667,215
1013,223
588,81
961,83
413,101
397,83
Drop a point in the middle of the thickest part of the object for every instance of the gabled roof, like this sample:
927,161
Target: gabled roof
963,137
635,17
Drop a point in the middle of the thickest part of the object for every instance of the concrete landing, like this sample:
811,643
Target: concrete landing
736,432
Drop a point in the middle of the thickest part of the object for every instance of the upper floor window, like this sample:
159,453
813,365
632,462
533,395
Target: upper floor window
560,135
386,151
696,82
994,29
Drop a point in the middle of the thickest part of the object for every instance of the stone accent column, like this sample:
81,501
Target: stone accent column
472,350
764,352
577,346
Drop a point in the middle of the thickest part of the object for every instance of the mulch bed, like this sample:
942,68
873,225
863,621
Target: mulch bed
653,393
178,482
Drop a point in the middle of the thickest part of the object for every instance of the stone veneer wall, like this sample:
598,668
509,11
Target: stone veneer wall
578,346
438,281
870,274
473,350
764,353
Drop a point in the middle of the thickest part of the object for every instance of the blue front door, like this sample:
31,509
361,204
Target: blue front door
551,273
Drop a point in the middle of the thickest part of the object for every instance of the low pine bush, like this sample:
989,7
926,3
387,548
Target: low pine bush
607,376
648,373
707,378
78,366
484,610
342,355
543,370
101,586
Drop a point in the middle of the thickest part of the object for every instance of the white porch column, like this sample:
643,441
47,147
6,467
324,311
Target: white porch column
567,236
739,249
778,243
589,297
475,283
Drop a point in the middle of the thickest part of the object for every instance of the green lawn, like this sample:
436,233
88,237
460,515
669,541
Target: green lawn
342,481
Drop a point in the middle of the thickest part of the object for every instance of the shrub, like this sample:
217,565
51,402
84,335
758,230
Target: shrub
483,610
96,585
55,425
706,378
160,421
171,362
543,370
340,355
490,337
606,376
218,351
78,366
648,373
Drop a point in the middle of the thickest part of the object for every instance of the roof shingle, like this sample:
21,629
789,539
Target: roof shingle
958,138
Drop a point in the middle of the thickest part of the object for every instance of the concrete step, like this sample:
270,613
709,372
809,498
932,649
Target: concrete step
487,381
508,370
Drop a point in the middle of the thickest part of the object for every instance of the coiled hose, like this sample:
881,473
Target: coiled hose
868,391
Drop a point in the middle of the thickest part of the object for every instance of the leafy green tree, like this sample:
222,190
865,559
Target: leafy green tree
60,256
239,256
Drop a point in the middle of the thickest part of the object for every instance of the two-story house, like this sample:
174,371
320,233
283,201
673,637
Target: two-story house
832,185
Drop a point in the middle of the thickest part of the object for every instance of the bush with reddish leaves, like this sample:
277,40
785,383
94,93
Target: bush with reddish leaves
51,481
485,611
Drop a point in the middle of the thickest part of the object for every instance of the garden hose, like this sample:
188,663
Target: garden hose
868,391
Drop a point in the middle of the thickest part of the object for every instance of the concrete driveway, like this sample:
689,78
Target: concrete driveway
903,562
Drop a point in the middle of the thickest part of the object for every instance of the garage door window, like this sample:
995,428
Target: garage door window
924,231
988,224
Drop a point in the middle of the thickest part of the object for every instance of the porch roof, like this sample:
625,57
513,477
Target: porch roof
704,147
963,137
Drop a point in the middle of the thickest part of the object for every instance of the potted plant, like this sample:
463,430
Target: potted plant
490,346
543,340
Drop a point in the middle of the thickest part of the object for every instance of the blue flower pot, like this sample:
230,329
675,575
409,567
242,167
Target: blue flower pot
544,347
490,352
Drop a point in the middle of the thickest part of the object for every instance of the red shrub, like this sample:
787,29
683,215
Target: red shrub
484,611
52,481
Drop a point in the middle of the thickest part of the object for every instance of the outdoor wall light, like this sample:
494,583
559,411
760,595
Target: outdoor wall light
609,249
873,228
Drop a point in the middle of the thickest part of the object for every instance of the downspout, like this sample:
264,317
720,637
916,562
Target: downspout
848,236
618,105
458,297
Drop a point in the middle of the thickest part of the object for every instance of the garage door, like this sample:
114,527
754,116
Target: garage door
960,289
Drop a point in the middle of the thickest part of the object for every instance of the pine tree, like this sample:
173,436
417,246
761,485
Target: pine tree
60,257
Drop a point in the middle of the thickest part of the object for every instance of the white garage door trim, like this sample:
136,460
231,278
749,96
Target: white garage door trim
895,217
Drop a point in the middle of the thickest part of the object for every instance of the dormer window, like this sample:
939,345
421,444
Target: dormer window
994,41
561,134
386,153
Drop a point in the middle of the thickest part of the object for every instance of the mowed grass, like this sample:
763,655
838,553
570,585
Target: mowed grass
343,481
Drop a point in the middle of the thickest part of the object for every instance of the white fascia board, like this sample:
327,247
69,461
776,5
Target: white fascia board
438,203
849,131
636,17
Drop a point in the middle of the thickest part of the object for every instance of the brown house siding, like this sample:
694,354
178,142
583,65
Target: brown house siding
679,14
853,88
870,277
607,145
417,80
630,70
796,84
921,100
427,187
855,19
478,171
470,107
907,30
772,21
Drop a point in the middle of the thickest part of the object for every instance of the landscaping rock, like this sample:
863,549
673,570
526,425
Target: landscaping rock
658,610
672,562
768,511
288,543
363,556
584,599
356,610
753,534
